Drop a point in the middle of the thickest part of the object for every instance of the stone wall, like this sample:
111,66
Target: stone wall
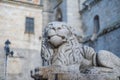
19,66
2,63
12,25
47,12
26,47
109,41
108,12
30,1
69,10
70,14
73,16
63,6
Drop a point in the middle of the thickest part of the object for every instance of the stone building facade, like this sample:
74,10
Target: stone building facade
102,18
21,24
63,10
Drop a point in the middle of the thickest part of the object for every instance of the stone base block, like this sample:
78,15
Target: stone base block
74,76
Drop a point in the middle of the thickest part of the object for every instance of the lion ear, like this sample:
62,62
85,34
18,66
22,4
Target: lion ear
46,28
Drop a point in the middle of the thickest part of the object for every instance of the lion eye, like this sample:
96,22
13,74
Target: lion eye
48,37
53,28
59,27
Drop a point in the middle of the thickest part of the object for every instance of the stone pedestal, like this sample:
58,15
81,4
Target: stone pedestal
58,73
76,76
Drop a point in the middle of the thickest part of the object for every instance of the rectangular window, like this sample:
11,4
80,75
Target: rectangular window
29,27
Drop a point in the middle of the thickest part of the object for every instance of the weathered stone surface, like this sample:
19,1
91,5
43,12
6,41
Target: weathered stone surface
68,55
70,13
108,12
2,64
75,76
14,63
13,26
37,2
57,73
26,47
21,63
68,51
109,15
108,42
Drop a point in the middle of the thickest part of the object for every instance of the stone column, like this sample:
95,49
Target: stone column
47,12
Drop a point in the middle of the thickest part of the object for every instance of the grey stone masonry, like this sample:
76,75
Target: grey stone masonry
108,12
109,19
2,64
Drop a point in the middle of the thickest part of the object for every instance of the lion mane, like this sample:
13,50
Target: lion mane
70,51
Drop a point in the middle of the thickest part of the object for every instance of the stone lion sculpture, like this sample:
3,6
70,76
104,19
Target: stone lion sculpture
63,48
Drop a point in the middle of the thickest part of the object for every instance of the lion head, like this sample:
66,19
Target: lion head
57,33
60,39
